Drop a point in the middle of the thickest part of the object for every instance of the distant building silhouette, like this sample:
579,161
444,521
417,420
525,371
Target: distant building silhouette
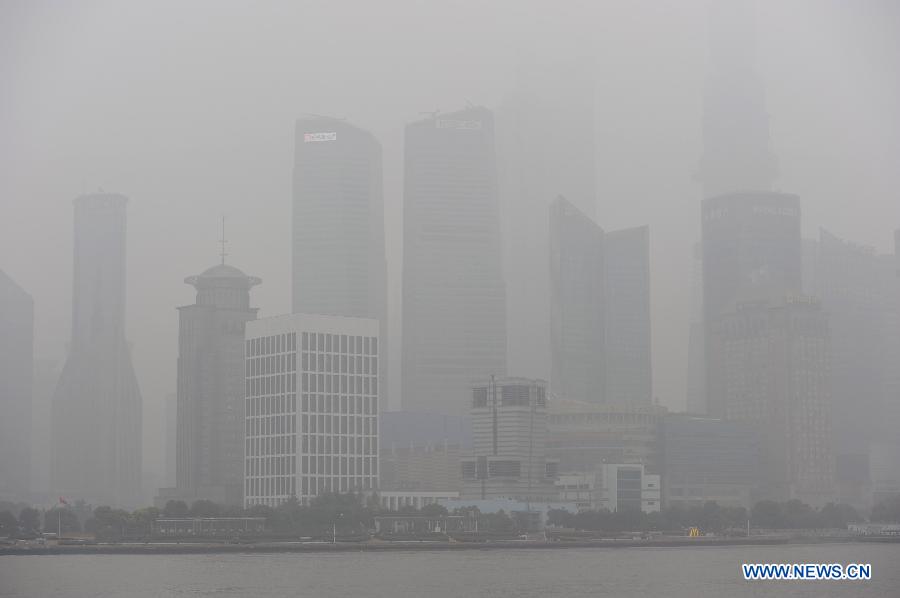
858,290
751,251
629,375
338,250
16,380
577,305
600,310
454,310
546,147
210,397
736,154
705,459
774,364
97,404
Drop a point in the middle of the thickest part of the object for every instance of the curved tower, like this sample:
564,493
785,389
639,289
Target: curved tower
97,404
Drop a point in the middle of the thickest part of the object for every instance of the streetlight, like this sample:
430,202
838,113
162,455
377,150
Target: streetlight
334,528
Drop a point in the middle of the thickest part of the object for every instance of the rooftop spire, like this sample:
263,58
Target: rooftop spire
222,241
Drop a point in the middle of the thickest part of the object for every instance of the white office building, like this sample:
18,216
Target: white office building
311,407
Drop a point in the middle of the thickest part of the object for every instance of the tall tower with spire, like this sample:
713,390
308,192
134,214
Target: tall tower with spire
210,394
736,154
97,404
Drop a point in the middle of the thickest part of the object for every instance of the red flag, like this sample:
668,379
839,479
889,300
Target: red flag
63,501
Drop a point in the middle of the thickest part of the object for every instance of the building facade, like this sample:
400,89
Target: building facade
629,374
16,382
454,300
577,305
421,467
338,253
509,435
751,251
858,289
583,436
705,459
612,487
311,407
210,396
97,403
775,360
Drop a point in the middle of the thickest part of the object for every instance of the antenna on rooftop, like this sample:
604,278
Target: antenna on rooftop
223,240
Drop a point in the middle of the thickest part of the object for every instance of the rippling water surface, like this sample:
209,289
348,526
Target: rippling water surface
621,573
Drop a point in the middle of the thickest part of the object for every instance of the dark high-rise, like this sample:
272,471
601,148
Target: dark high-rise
338,249
16,380
97,404
454,304
210,397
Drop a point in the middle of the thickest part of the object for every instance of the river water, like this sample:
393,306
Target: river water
702,572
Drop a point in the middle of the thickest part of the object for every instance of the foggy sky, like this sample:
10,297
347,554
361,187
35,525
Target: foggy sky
188,109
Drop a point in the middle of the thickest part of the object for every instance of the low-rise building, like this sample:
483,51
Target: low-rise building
612,487
509,434
394,501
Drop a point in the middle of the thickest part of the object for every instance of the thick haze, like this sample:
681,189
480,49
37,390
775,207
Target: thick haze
188,109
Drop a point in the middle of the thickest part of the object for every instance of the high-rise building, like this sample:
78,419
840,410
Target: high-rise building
509,436
210,396
311,407
339,265
454,310
97,404
16,379
751,251
629,375
600,310
546,148
775,371
577,305
858,291
736,154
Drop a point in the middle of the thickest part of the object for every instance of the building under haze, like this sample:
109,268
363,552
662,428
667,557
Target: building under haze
16,373
338,251
97,404
582,436
509,438
858,289
629,375
454,310
705,459
546,142
577,305
775,372
751,251
210,395
736,158
311,407
600,310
